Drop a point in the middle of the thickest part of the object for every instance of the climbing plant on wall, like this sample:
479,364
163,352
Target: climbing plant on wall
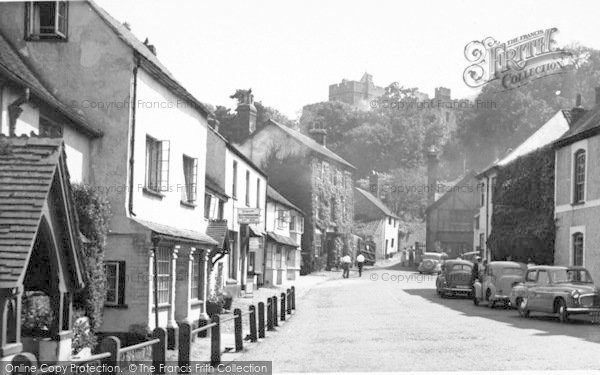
523,225
94,213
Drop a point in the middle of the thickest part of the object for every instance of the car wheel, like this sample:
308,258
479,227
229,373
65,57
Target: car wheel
522,307
561,309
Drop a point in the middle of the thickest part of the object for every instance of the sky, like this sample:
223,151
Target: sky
289,52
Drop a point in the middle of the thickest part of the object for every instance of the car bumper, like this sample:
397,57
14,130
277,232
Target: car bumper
583,310
501,297
457,290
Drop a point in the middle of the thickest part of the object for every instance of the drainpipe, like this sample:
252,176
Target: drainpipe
132,136
15,110
2,85
487,217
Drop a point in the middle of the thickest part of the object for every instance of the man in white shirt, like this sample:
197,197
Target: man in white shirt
360,260
346,260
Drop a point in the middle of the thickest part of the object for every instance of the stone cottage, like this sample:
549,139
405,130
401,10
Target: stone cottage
313,178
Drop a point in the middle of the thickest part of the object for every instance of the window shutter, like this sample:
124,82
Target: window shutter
164,166
122,279
194,190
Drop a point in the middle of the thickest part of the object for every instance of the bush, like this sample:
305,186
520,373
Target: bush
93,211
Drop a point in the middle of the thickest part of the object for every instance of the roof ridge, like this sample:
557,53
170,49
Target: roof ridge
312,144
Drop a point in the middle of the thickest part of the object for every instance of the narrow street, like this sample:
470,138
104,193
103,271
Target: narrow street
392,320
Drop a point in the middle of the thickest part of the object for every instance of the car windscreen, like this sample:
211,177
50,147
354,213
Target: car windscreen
579,276
432,256
461,267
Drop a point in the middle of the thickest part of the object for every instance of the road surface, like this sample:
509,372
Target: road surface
392,320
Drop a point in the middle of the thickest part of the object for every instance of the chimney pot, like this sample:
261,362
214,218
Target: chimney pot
319,135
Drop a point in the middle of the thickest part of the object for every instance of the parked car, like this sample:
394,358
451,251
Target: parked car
470,256
431,262
455,278
557,290
497,281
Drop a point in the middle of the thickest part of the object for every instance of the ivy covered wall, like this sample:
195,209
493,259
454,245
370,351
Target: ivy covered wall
523,225
332,210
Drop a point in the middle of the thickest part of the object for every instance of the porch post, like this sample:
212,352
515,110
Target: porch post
172,323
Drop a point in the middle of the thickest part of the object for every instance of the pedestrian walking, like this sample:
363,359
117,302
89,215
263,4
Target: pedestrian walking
360,260
477,266
346,261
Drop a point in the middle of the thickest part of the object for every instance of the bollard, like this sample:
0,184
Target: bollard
270,314
261,320
275,314
159,350
215,341
289,302
293,297
185,344
237,325
26,360
282,312
253,334
112,345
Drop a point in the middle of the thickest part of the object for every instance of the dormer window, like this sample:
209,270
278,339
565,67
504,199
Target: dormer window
46,20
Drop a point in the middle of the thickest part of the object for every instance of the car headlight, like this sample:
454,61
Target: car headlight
575,294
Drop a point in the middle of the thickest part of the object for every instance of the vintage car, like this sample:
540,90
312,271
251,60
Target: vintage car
497,281
455,278
432,262
470,256
556,290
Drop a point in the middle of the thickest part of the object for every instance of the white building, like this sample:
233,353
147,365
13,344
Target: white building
284,225
150,160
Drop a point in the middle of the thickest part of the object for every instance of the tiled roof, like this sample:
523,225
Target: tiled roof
27,169
184,235
13,66
449,191
217,230
552,130
377,203
274,195
584,127
215,187
154,65
282,239
312,144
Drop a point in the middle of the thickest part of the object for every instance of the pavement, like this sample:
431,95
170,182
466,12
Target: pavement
391,319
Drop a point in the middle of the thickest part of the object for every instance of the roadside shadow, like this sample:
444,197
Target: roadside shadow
393,267
578,326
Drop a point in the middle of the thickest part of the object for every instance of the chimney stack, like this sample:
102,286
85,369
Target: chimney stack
319,135
374,184
578,111
245,120
432,169
214,123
